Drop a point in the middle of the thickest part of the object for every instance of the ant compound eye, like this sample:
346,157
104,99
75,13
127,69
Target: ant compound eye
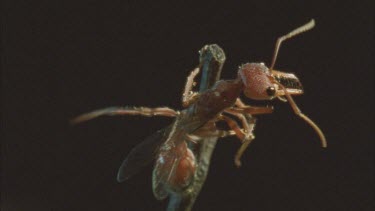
271,91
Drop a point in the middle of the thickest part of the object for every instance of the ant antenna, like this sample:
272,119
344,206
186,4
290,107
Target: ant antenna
294,106
298,112
291,34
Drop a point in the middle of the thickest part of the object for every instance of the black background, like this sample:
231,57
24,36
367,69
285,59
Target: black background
65,58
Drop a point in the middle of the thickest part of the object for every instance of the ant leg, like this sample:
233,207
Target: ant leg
209,130
197,136
234,126
112,111
248,123
241,150
188,95
239,103
247,109
225,133
205,133
252,110
246,138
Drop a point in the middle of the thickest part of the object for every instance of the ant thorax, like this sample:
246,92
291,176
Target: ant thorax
221,96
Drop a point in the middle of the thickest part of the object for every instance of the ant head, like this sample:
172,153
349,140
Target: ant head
263,84
257,80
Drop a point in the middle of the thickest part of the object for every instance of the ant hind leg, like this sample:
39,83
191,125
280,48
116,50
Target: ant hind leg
112,111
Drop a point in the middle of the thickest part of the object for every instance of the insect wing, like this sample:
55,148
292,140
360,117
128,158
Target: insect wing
166,165
142,155
161,175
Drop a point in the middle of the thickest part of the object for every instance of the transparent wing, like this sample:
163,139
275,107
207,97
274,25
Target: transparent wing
161,176
142,155
166,165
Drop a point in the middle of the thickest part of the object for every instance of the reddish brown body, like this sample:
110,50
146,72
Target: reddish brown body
175,164
180,172
256,77
221,96
185,168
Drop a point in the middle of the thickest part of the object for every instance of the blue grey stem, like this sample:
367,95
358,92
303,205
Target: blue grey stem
211,60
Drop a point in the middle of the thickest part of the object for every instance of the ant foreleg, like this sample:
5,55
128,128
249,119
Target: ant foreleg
239,103
244,120
112,111
252,110
245,136
247,109
233,126
188,95
248,123
244,112
241,150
